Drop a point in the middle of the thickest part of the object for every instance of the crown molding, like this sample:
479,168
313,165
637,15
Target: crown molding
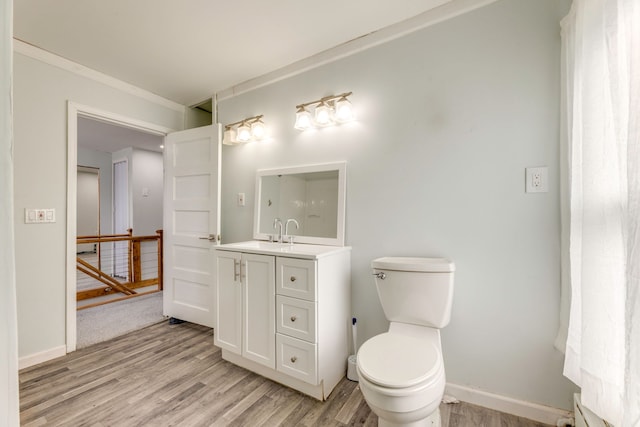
448,10
42,55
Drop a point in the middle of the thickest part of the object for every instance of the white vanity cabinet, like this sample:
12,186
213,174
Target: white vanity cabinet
283,311
246,313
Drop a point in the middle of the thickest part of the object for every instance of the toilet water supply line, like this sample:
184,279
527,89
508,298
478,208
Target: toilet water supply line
354,334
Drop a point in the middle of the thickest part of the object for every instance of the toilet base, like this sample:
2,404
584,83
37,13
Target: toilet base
432,420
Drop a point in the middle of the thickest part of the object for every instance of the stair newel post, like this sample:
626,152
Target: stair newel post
130,257
98,250
137,263
160,261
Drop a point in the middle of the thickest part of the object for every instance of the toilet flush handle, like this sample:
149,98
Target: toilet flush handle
380,275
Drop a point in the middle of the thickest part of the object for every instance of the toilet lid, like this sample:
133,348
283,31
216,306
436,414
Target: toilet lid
398,361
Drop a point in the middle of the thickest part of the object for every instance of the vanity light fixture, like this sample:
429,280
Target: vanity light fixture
329,110
251,129
323,114
344,110
303,119
243,133
229,137
258,129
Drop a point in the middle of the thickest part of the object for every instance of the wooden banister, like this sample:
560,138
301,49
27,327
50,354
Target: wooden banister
98,239
134,265
100,236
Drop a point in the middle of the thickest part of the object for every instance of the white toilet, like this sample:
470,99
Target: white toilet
401,371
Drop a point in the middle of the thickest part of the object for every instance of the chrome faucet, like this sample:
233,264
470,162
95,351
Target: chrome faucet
278,222
286,229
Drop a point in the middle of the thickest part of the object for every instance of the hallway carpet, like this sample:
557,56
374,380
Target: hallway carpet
101,323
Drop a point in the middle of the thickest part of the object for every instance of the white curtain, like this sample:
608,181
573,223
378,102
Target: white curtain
601,48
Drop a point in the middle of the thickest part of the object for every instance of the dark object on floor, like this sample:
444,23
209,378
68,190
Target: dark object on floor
174,321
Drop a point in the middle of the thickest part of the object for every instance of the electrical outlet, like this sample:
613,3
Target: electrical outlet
537,180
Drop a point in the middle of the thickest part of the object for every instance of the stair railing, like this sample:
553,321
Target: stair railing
100,270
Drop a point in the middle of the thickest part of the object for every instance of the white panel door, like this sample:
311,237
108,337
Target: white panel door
191,223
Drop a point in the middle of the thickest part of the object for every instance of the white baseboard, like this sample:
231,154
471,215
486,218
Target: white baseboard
532,411
43,356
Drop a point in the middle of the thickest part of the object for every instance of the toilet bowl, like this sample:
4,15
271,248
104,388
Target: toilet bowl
401,371
402,379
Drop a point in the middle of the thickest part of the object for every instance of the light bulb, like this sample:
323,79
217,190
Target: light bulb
323,115
258,130
344,110
303,119
244,133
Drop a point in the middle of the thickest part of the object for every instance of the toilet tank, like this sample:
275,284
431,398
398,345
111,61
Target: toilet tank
418,291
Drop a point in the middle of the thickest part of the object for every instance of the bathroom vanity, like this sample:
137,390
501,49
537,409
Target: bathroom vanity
282,308
283,312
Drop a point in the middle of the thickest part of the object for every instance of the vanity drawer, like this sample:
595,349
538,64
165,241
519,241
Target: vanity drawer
296,278
297,358
296,318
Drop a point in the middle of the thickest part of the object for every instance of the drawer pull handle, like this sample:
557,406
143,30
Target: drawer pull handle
293,278
293,318
293,359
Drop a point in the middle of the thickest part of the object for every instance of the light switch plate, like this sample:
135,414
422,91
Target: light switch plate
39,216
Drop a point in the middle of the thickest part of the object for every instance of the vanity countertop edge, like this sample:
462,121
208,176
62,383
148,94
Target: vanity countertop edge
297,250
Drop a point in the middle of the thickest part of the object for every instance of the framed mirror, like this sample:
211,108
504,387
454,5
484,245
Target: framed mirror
313,195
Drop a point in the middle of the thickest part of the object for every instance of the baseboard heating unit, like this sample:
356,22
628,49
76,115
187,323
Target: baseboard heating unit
584,417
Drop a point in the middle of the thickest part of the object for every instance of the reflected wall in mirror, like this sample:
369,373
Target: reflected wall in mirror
313,195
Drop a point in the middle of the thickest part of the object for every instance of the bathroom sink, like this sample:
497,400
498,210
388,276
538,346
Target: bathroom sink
259,244
274,248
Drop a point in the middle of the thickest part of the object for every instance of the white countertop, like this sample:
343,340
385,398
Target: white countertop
297,250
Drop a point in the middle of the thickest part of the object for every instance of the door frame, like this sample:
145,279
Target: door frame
74,111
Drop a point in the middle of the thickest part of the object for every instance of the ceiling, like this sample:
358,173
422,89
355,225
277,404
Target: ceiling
186,51
108,137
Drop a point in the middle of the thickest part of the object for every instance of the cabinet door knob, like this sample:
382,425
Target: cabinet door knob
293,359
293,278
293,318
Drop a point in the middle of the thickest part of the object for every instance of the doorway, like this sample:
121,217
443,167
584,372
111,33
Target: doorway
76,115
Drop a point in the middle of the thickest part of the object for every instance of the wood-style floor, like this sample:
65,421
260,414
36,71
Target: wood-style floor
173,375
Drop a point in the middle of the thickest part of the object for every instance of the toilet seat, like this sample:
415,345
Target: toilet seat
393,360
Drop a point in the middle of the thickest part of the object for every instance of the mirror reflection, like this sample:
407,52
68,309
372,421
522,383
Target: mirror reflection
313,196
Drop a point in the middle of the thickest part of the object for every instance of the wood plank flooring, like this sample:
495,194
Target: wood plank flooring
173,375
